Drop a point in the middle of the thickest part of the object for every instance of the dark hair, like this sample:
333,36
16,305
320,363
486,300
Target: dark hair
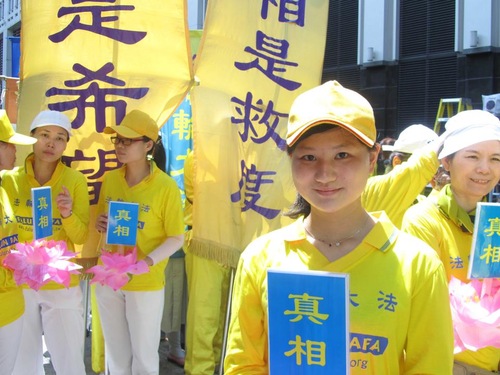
403,156
314,130
159,155
301,207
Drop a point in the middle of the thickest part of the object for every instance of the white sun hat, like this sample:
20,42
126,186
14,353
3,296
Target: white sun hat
412,138
467,128
49,117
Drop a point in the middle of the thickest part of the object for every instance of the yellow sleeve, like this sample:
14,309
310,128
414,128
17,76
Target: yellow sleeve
430,347
397,190
247,341
76,225
419,221
486,358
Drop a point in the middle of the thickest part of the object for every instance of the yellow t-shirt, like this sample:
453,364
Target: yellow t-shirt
160,216
11,296
73,229
453,245
414,336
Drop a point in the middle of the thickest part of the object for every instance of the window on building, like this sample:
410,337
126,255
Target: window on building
427,60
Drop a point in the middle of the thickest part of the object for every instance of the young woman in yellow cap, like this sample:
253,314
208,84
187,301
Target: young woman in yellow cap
331,143
471,156
131,316
11,295
54,311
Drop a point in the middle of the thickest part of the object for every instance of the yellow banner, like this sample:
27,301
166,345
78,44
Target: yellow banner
255,58
97,60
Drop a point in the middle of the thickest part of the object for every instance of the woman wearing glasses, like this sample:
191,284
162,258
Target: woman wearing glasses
54,311
131,316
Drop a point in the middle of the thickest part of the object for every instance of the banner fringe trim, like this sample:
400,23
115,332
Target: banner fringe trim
225,255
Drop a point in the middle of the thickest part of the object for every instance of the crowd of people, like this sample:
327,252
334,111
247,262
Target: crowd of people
391,213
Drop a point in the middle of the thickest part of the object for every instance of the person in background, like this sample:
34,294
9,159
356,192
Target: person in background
471,156
131,316
439,181
208,288
383,156
175,280
395,191
411,139
331,144
8,141
173,311
54,311
11,295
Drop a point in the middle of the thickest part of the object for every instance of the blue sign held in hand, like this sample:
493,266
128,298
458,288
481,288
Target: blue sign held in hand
123,218
485,252
308,322
41,198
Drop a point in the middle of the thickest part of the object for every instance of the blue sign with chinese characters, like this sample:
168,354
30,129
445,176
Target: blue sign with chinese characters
308,313
41,198
123,218
485,252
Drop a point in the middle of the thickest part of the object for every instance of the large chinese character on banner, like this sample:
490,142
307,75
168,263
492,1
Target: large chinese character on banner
97,60
255,58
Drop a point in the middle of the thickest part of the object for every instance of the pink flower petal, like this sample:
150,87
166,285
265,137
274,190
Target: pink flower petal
41,261
475,308
116,269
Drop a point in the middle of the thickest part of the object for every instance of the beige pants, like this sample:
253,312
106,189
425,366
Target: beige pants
460,368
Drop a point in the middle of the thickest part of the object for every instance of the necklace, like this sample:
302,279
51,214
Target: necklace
337,243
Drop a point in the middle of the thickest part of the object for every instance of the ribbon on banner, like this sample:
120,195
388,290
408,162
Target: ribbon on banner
255,58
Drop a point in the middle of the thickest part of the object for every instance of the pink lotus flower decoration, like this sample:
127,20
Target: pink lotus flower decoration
117,268
41,261
475,308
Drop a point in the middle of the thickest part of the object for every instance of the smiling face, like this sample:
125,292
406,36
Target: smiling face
330,169
474,172
52,141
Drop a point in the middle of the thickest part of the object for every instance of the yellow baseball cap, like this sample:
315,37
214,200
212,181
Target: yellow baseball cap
8,135
135,124
331,103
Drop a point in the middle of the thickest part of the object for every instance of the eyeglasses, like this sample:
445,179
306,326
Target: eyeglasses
125,141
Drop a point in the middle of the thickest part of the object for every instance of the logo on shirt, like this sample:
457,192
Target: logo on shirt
375,345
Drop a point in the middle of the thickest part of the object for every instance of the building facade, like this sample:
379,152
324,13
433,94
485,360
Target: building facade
10,31
406,55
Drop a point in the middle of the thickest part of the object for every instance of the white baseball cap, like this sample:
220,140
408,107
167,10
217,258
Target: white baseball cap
412,138
49,117
467,128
